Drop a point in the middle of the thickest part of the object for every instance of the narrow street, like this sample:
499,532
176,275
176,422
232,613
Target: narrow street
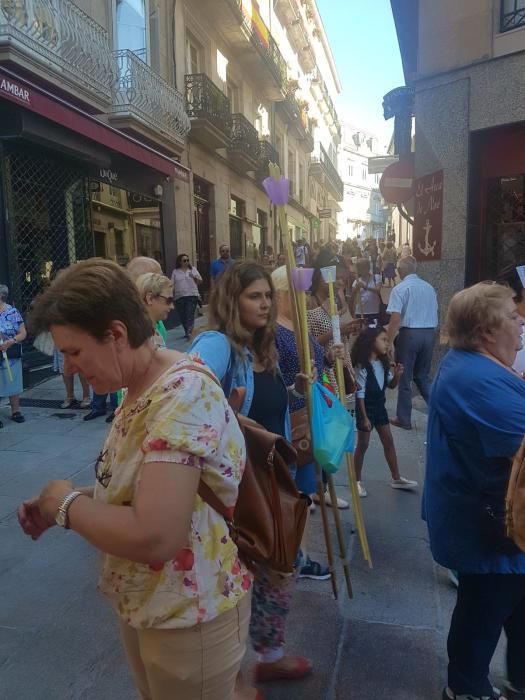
58,638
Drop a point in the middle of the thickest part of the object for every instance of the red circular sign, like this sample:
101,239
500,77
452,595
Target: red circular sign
397,182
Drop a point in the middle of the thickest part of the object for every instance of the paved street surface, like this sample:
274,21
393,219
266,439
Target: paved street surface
58,638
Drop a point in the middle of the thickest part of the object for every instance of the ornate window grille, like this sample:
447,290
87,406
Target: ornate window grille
512,15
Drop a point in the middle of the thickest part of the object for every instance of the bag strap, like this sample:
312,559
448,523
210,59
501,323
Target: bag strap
211,498
205,492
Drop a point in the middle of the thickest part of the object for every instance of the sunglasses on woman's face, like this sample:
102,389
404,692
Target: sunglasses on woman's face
185,259
168,300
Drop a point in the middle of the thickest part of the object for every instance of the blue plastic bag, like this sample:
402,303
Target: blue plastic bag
332,429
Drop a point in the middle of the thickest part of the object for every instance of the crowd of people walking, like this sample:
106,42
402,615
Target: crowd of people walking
187,602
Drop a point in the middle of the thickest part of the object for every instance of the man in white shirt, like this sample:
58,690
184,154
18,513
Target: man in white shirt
414,314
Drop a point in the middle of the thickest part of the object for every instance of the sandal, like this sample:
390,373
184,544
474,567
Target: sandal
68,403
18,417
85,403
276,671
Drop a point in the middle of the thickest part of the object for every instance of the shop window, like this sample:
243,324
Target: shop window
505,224
512,15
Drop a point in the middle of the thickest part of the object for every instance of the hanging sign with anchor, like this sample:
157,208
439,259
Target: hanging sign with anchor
428,217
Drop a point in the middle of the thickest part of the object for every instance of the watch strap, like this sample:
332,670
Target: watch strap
65,505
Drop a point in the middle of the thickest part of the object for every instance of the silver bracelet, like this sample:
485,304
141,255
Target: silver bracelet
293,391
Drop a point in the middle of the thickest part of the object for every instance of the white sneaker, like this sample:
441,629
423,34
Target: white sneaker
403,484
363,493
341,503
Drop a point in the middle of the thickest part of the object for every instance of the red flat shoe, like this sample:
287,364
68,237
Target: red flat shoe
276,671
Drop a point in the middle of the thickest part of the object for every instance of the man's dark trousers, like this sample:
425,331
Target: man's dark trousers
414,348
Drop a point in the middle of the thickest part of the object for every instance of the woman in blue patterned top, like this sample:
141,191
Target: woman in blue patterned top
12,334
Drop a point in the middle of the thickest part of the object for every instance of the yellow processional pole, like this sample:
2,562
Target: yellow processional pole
329,275
277,189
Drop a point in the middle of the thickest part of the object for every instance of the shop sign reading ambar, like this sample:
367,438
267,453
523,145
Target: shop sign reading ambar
13,90
428,217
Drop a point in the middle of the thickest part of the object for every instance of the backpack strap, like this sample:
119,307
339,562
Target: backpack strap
205,492
210,497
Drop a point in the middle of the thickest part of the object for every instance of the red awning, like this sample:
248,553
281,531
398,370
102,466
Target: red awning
36,99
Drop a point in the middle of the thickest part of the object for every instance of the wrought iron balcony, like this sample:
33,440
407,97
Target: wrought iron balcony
267,154
259,35
145,103
319,86
322,168
244,147
61,43
297,113
209,111
512,15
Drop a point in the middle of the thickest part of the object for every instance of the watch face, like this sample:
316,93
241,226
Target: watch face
60,518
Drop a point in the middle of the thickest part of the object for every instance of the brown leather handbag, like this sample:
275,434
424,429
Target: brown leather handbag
270,514
301,437
515,501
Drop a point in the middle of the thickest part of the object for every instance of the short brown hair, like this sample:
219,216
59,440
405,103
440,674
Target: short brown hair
223,311
90,295
474,310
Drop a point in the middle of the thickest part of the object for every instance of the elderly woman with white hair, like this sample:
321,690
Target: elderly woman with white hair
476,424
12,334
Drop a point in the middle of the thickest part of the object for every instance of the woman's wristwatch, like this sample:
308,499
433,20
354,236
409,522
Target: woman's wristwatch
61,517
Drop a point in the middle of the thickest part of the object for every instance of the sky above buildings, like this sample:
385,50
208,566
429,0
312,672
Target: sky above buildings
364,43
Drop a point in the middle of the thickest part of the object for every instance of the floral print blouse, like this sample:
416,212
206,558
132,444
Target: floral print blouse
183,418
10,322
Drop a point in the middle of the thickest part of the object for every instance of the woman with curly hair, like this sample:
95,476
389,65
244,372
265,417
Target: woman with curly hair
240,349
374,374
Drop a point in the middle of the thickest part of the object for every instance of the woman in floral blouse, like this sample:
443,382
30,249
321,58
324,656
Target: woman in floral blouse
170,568
12,334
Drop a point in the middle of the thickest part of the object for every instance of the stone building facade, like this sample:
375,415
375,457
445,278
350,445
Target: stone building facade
363,214
466,62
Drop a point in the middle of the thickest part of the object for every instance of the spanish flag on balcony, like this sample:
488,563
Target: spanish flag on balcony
256,22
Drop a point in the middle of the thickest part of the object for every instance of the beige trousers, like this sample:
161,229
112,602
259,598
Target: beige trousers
196,663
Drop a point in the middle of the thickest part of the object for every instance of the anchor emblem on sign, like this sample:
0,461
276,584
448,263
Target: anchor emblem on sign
428,249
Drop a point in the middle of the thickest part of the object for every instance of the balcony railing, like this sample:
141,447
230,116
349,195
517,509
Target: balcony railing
61,35
204,100
244,137
322,157
512,15
267,154
318,79
139,91
261,38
